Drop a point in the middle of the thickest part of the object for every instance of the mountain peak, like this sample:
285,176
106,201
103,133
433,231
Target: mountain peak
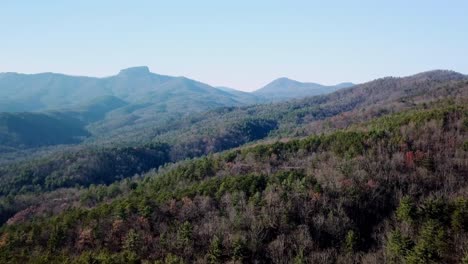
140,70
283,84
284,80
285,88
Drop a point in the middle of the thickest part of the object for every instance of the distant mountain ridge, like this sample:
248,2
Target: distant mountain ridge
44,91
137,100
388,91
247,97
282,88
136,85
134,96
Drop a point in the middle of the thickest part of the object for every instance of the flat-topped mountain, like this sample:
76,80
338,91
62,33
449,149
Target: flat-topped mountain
45,91
132,96
138,85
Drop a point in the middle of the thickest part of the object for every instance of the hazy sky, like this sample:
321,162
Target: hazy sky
240,44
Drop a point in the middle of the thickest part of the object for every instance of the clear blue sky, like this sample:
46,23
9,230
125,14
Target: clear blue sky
241,44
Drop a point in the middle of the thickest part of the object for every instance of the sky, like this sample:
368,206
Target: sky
239,44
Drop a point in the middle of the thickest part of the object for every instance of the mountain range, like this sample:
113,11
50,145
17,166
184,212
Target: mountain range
374,173
139,87
134,98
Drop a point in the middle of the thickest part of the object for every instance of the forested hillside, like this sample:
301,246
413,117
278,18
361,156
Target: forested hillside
298,117
226,128
392,189
27,130
282,132
164,108
373,173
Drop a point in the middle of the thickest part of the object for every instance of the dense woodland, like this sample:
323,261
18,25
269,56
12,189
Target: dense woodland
30,130
376,173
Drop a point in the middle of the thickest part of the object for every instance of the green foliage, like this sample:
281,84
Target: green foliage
430,246
459,216
299,258
434,224
434,209
85,167
332,194
56,238
239,249
144,208
347,144
215,250
351,241
27,130
216,187
250,184
406,211
417,117
171,259
254,129
465,259
105,257
399,246
184,234
132,241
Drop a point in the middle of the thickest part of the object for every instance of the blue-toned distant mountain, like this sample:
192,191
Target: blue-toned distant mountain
283,88
133,99
45,91
246,97
140,89
135,96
